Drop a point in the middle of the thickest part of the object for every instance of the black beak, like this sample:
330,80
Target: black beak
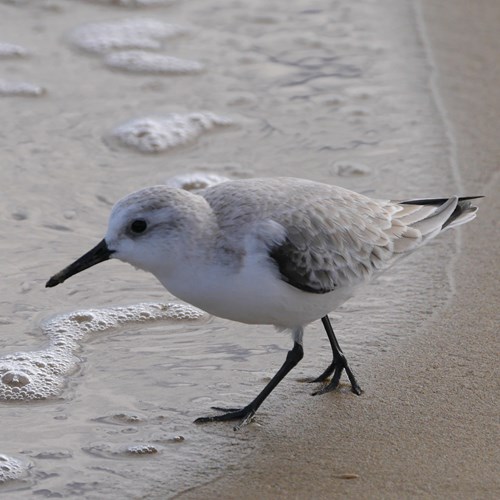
99,253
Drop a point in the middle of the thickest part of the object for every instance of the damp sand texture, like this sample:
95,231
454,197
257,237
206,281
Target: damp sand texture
339,96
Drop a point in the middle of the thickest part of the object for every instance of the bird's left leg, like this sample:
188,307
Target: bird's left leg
245,414
337,366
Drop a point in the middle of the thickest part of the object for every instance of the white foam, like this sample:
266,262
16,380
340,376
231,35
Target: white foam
140,61
152,135
11,88
42,374
8,50
195,181
142,449
140,33
11,468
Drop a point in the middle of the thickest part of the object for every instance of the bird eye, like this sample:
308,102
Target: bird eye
138,226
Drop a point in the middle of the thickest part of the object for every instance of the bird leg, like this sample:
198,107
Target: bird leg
337,366
246,413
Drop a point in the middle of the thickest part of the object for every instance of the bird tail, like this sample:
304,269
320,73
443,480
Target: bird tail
434,215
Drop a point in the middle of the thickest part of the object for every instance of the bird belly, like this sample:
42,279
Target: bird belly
256,296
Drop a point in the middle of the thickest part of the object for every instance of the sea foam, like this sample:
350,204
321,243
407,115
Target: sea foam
156,134
141,61
140,33
42,374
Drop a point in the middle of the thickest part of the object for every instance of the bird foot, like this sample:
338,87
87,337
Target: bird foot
334,383
245,414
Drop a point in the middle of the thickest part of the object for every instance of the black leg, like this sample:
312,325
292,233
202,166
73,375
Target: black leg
246,413
337,366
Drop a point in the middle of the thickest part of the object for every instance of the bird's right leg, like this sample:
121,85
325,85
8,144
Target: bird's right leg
337,366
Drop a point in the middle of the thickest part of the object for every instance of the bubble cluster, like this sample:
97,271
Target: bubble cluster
10,50
11,88
140,61
141,33
142,449
195,181
108,450
130,45
34,375
42,374
11,468
152,135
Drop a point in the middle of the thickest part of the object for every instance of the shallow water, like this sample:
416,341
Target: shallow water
339,93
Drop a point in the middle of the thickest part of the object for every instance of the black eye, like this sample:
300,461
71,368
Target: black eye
138,226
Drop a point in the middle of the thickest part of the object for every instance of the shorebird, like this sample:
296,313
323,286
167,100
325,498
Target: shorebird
278,251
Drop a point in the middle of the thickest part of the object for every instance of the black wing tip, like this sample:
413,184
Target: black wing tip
438,201
466,198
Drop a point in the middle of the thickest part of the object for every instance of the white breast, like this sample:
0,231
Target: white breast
253,294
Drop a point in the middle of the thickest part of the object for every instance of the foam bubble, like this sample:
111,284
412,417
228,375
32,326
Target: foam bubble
10,88
195,181
152,135
11,468
8,50
140,61
15,379
134,33
42,374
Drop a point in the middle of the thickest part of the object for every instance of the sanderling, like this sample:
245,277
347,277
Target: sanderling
279,251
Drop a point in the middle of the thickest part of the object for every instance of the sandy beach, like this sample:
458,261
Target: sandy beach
426,426
393,99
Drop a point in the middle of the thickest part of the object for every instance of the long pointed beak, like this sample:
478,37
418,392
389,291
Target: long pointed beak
99,253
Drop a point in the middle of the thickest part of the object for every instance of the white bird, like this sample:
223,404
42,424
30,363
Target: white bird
278,251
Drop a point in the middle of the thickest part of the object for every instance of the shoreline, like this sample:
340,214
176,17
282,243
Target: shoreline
425,425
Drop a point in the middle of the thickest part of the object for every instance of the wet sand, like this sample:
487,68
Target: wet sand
340,95
426,425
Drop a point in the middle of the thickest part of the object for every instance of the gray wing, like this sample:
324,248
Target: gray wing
332,236
332,243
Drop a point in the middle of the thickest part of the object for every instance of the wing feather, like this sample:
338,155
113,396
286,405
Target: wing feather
329,236
332,237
